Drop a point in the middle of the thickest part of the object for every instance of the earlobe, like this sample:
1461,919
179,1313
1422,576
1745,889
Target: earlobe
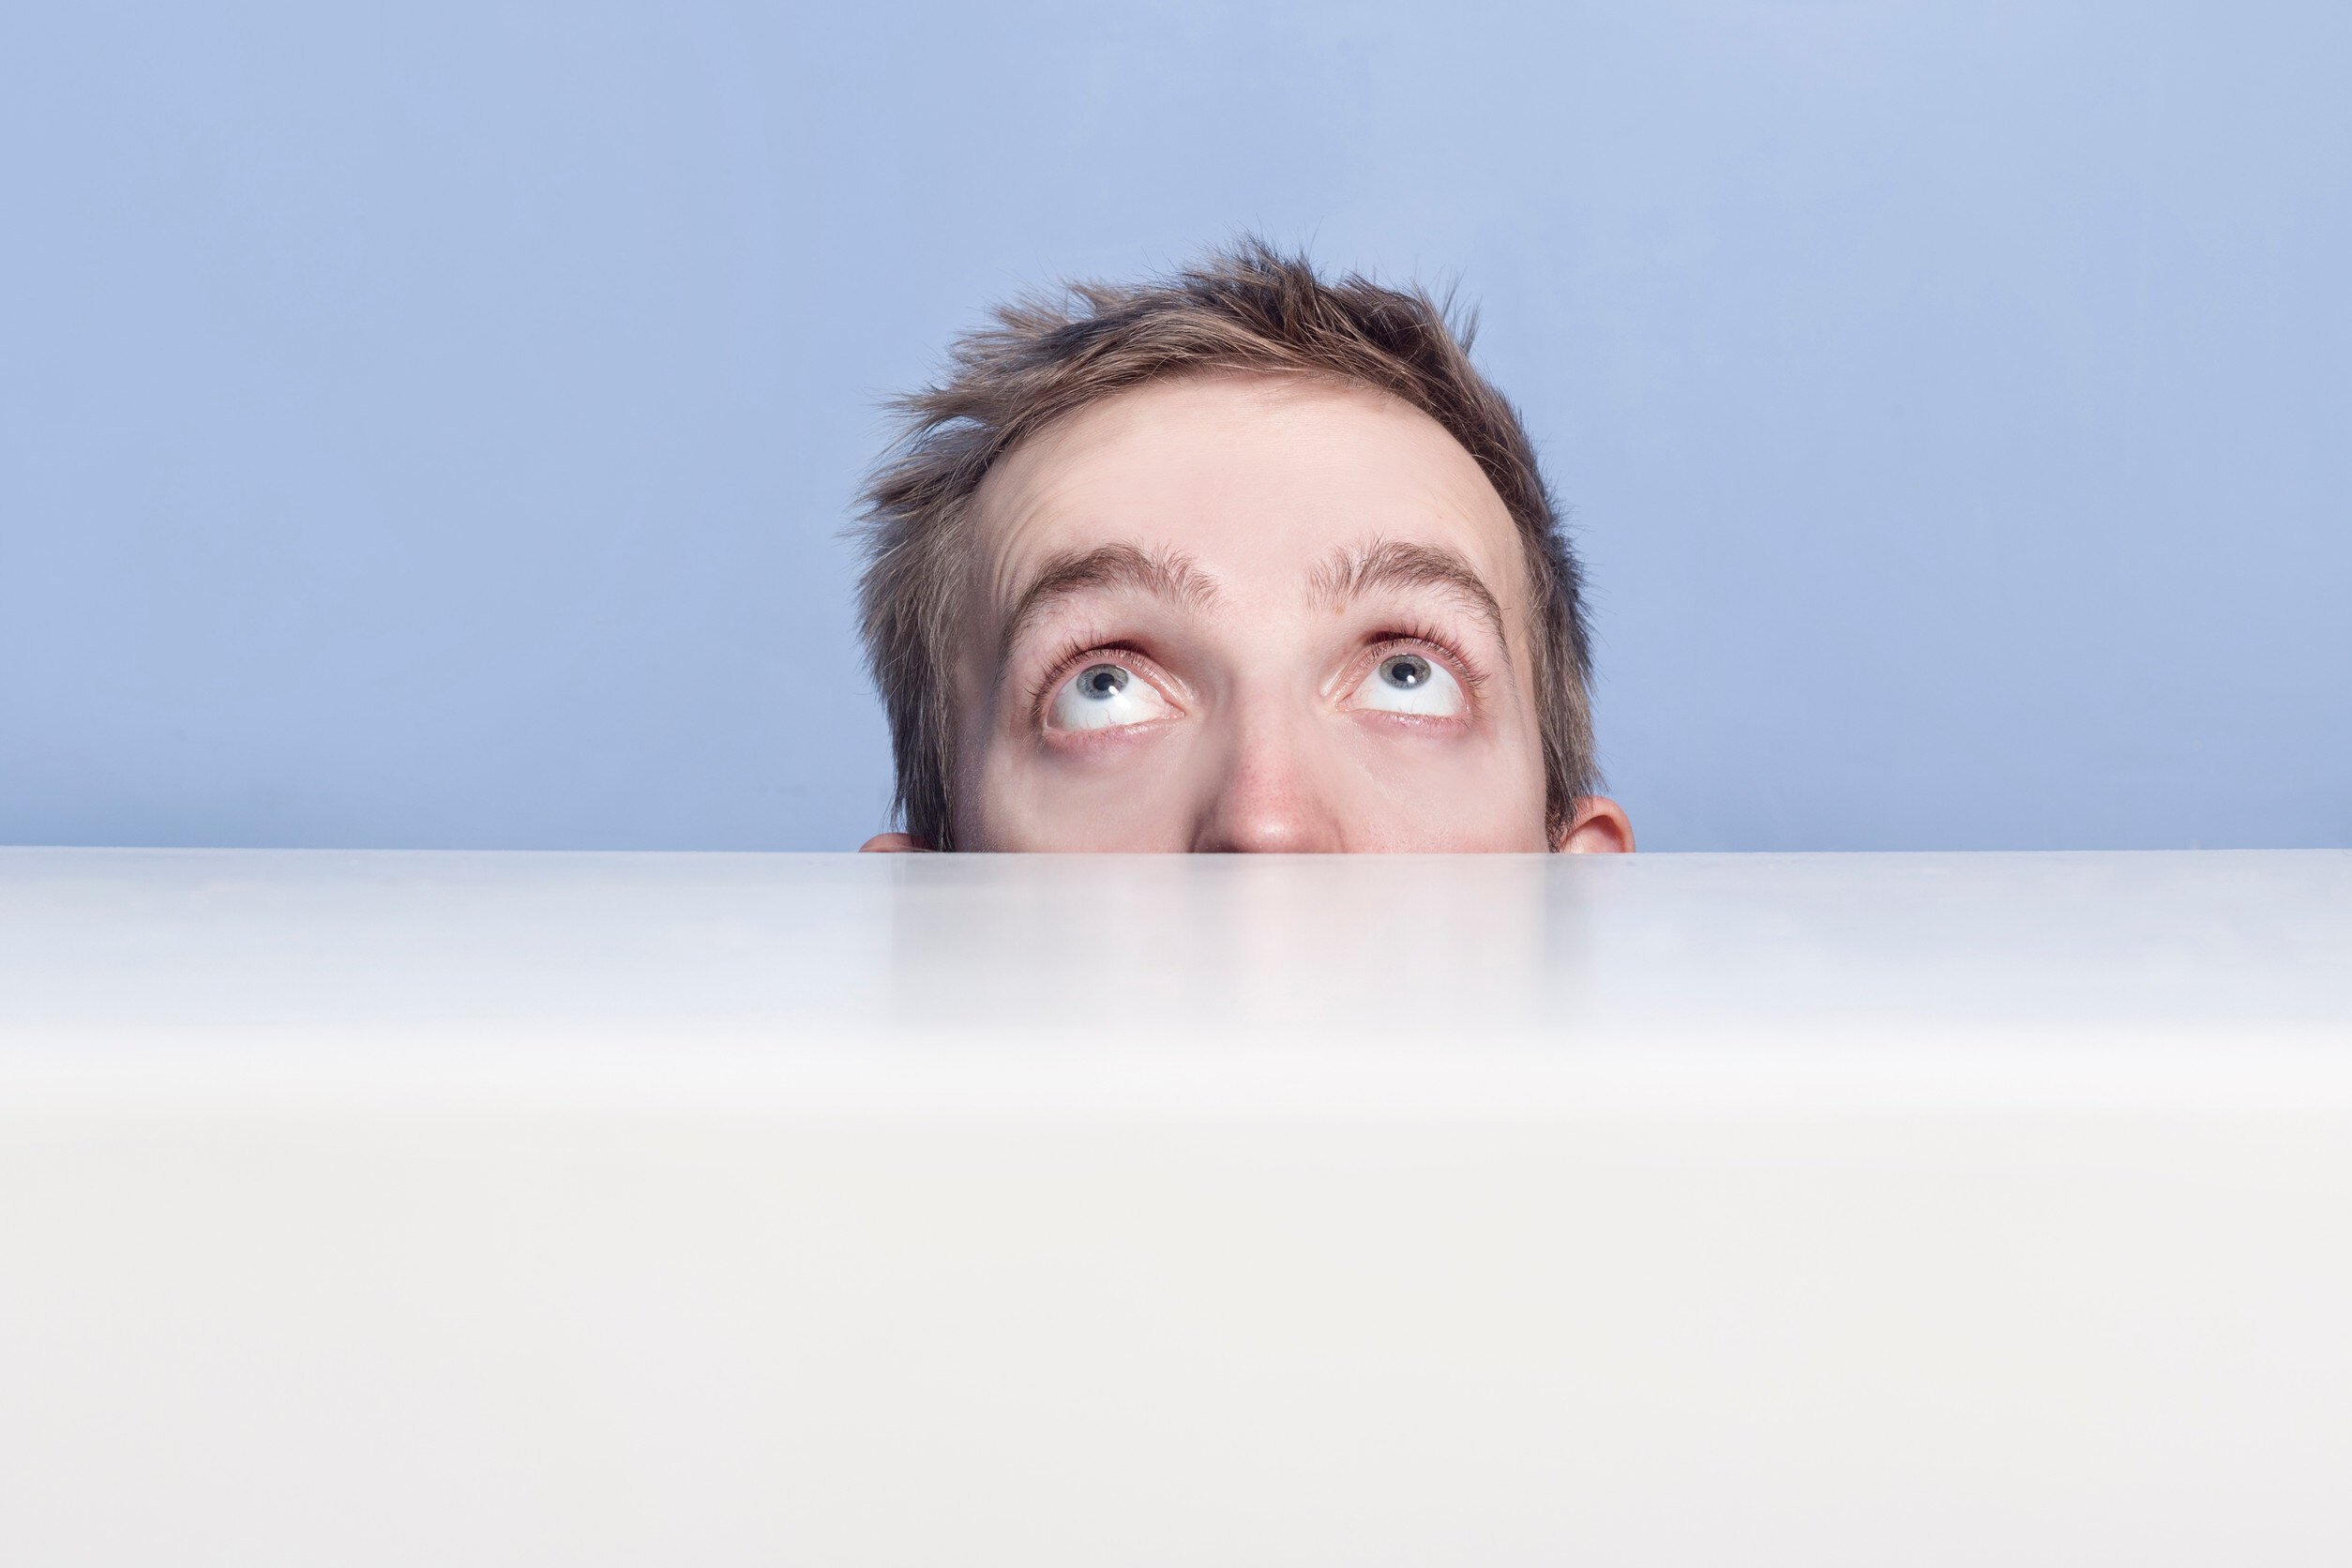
1600,827
894,843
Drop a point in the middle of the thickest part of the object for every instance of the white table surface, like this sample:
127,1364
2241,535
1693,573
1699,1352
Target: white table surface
603,1208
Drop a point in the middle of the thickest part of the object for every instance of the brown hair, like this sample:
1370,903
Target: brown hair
1243,308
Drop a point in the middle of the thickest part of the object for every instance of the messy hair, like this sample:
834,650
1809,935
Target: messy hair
1243,308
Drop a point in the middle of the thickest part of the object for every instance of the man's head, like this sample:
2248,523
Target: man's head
1233,560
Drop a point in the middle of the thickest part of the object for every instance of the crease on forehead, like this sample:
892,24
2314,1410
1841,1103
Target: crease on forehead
1026,481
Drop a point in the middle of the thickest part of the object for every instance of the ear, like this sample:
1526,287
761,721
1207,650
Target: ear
1600,827
893,843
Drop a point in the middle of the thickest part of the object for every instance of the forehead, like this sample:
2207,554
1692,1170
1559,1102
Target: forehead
1254,477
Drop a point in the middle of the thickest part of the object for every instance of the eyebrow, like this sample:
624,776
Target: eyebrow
1361,569
1162,573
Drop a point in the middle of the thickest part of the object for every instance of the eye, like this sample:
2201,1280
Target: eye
1409,684
1104,696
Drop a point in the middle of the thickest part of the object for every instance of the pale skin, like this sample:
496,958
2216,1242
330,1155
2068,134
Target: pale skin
1243,613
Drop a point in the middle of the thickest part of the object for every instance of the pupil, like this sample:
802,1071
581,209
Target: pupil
1407,670
1103,679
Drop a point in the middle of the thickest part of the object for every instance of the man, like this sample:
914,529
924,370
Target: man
1234,560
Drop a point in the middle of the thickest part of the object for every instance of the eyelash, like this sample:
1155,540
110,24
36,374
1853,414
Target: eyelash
1068,660
1077,651
1420,634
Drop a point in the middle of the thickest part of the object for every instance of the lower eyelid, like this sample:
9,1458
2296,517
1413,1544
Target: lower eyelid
1133,662
1467,675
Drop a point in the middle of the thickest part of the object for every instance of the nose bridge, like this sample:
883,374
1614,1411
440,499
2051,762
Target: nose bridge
1271,792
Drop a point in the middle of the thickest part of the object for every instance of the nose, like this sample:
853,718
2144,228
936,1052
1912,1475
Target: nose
1270,795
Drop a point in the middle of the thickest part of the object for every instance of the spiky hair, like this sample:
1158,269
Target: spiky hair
1242,307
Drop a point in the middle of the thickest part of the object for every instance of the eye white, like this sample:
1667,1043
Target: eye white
1104,696
1409,684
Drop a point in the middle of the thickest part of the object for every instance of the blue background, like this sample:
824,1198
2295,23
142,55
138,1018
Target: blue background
433,424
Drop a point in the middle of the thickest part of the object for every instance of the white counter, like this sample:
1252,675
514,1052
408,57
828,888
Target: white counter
501,1208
